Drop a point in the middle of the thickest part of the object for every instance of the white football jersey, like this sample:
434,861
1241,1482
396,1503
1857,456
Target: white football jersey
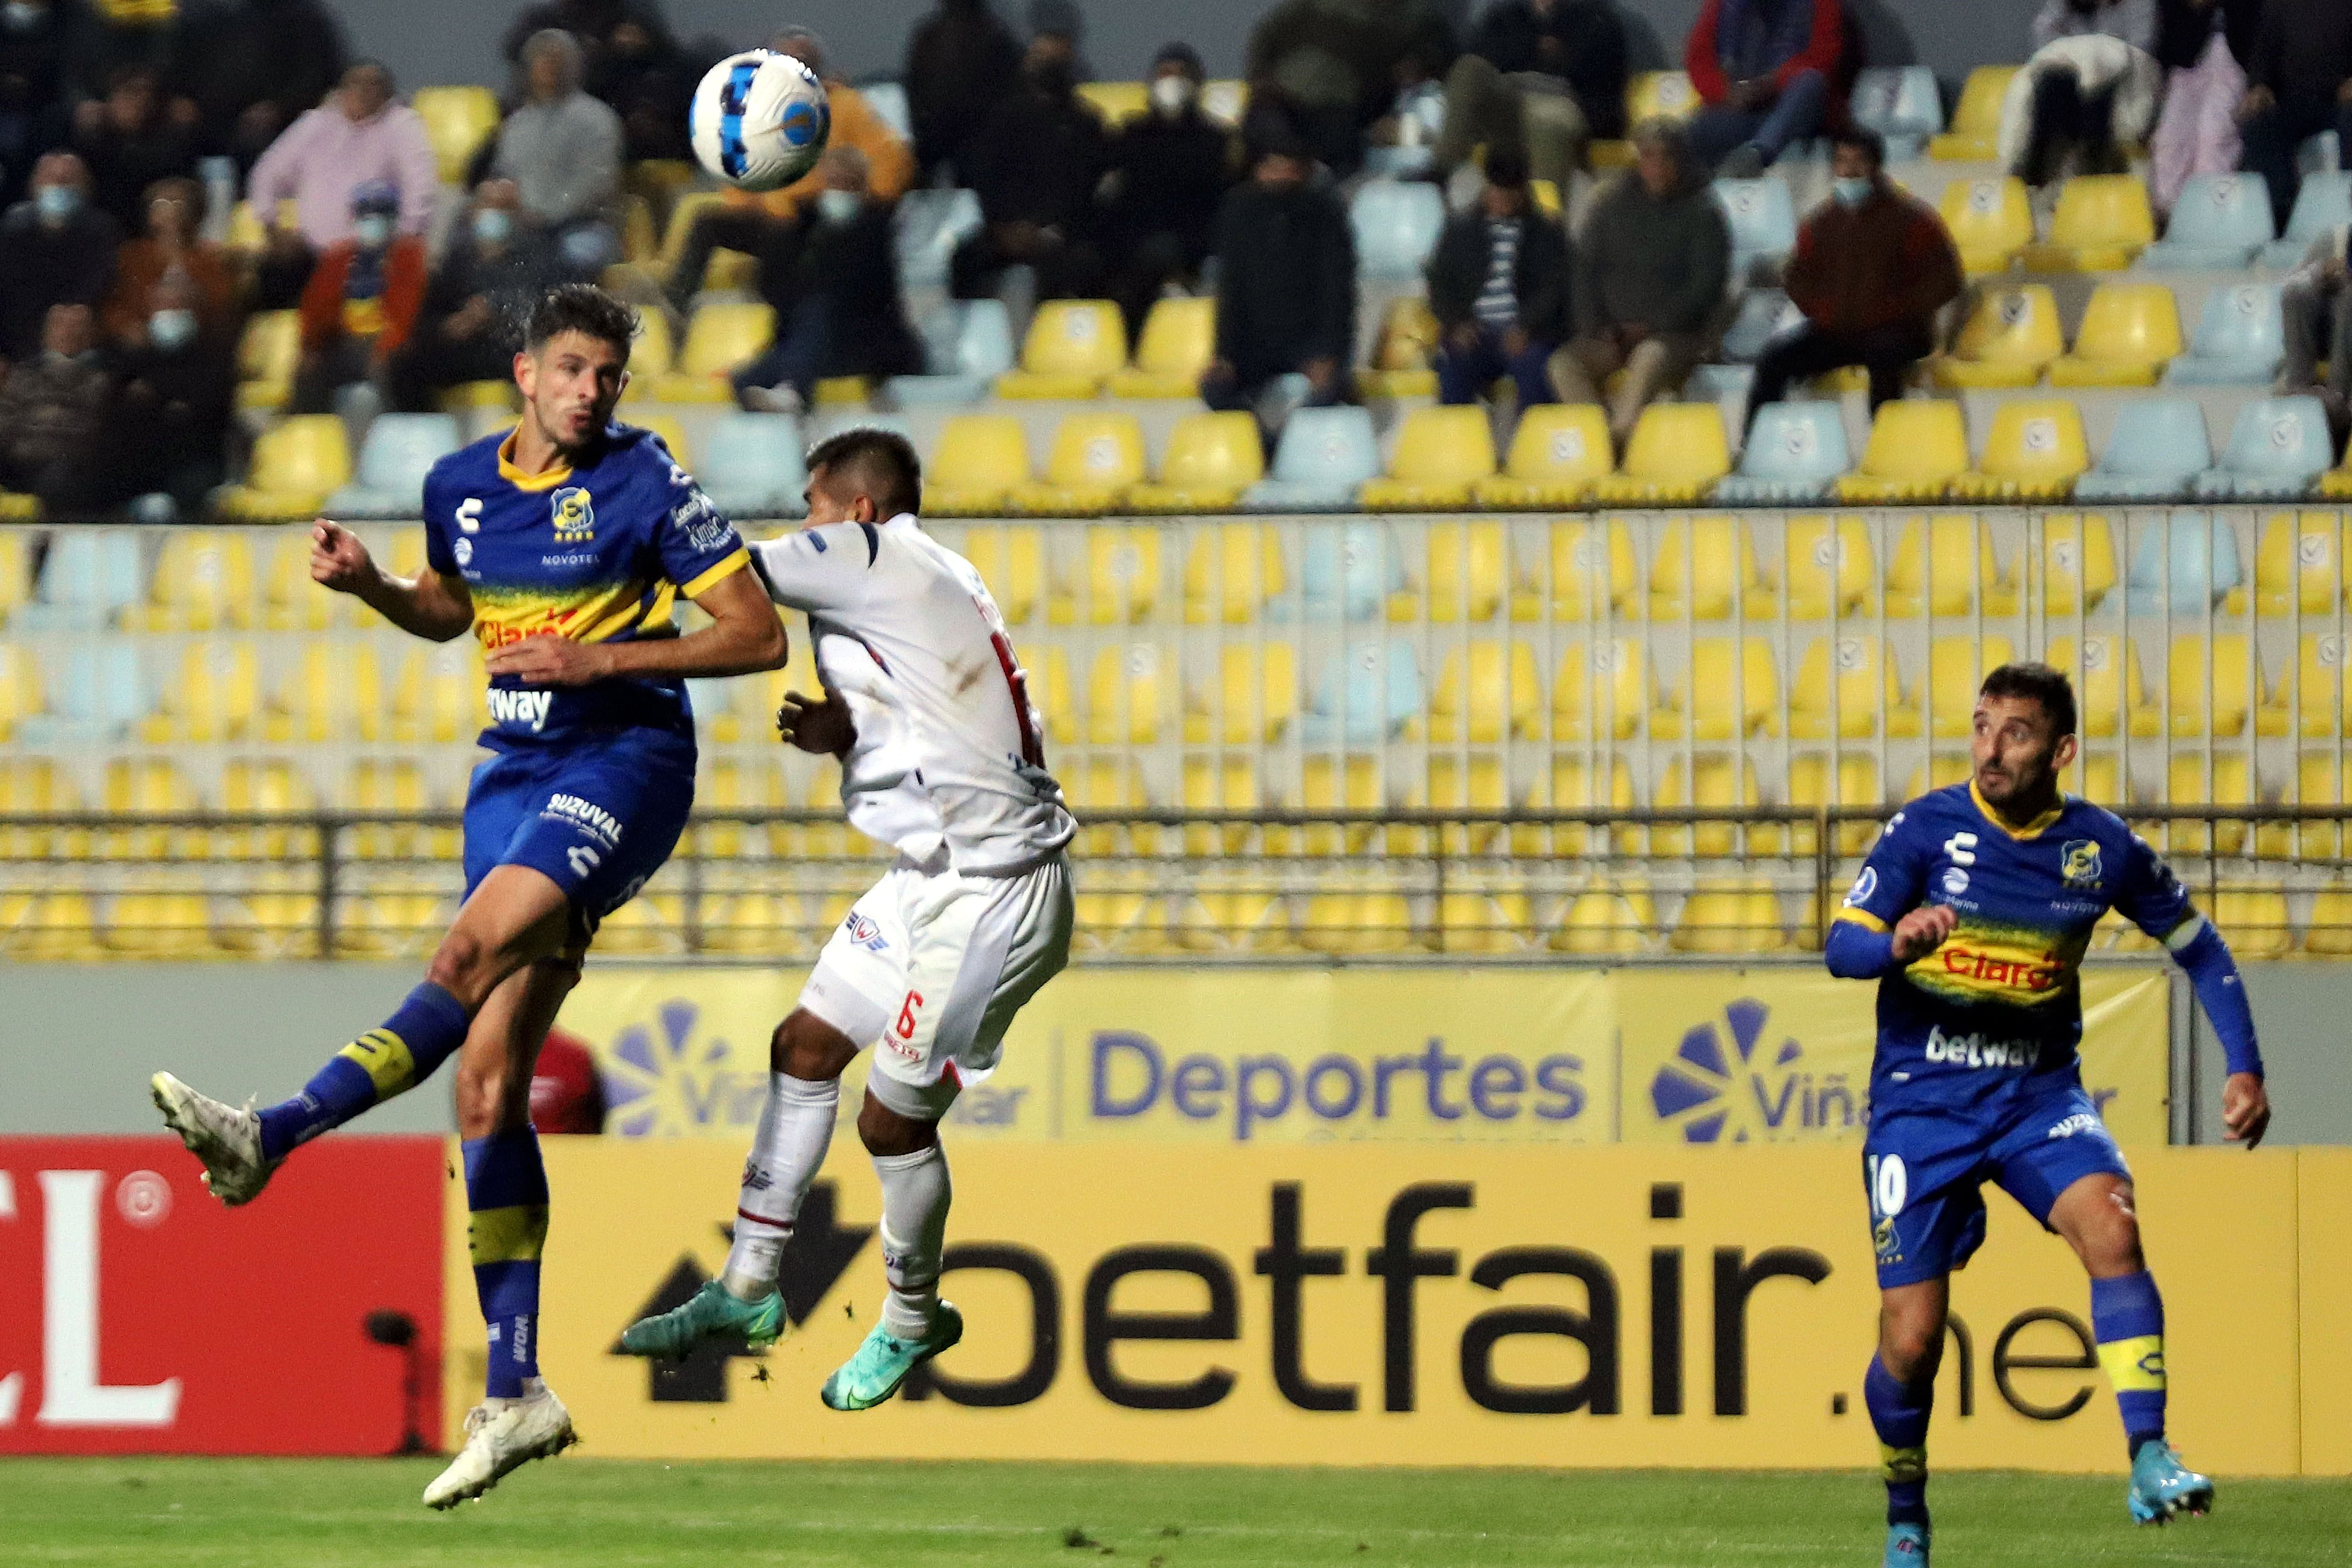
949,750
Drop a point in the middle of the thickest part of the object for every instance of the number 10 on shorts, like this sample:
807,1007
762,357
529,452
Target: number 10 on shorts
1889,1183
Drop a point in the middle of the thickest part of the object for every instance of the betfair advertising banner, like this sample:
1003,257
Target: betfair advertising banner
1485,1056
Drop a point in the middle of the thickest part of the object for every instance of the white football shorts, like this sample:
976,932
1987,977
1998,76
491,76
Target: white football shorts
930,968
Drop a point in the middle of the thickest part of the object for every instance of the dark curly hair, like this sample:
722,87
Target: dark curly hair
581,308
2044,684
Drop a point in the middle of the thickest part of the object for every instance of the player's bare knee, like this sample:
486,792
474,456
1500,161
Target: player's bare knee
2110,1240
491,1097
807,1047
885,1132
465,967
1910,1338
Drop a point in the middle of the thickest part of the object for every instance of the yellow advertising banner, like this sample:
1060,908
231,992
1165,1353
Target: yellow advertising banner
1698,1055
1429,1304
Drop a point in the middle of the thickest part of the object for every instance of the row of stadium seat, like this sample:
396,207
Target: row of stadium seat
2130,336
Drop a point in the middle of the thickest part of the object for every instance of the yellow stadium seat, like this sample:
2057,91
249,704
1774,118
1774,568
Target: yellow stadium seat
1180,339
1666,95
247,235
402,917
651,357
1368,922
1483,922
1725,699
1720,788
335,692
15,581
2325,703
2034,452
1573,789
2102,223
1729,918
727,786
1712,559
1973,136
640,236
158,925
48,927
1231,571
1073,346
273,913
1256,697
1125,693
1121,584
723,337
1917,449
1857,786
2255,922
1096,459
1050,693
1677,452
2078,562
149,787
1441,452
2329,934
2107,688
468,395
1955,669
1116,102
648,924
1101,785
748,710
1211,459
842,392
2300,564
1012,562
1557,453
1403,354
2007,339
296,466
1483,690
979,460
2097,777
438,695
1598,923
20,687
684,207
1601,691
1990,221
1467,562
1830,566
272,787
1866,679
458,121
2128,332
1476,784
1545,194
31,785
2319,781
672,433
764,923
1947,573
2237,688
1353,786
266,355
217,696
1222,784
1588,571
385,788
202,583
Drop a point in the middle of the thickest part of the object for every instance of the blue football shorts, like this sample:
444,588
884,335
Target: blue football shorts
597,817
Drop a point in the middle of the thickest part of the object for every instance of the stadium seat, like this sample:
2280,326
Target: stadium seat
297,465
1726,698
458,121
2239,339
333,693
1220,783
978,351
2129,332
2299,565
1601,923
1131,686
1601,692
973,470
1975,134
2323,698
1440,454
1473,783
1763,222
97,692
1180,339
750,465
1332,784
1346,570
267,355
1012,562
1403,352
1095,458
2322,205
31,787
1990,221
1761,314
1229,573
1572,789
268,787
148,787
1729,918
1493,921
1072,346
2008,339
1556,454
672,432
2328,933
1116,102
925,230
2102,222
438,696
202,581
1396,227
1901,104
1047,670
2236,683
1947,571
1371,692
1829,564
1795,453
1587,573
1705,566
2183,564
2319,781
1867,694
1720,788
290,600
2107,686
1955,668
1254,701
723,337
1677,452
2218,222
1325,454
2277,450
1121,583
1917,449
2155,451
1358,923
1857,786
649,356
2223,779
2078,563
2033,452
392,461
1466,564
15,574
20,688
1484,691
1211,460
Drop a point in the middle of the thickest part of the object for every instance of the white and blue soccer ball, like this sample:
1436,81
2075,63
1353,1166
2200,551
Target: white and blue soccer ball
760,120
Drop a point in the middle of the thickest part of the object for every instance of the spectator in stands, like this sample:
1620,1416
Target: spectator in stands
171,243
361,301
1650,268
1872,267
1060,20
1285,283
566,1094
55,248
649,82
253,66
130,139
2299,83
563,150
2201,45
359,136
1169,170
1767,73
1334,64
32,90
178,389
1498,286
470,321
2090,86
1035,164
52,411
1547,75
961,62
828,275
2316,304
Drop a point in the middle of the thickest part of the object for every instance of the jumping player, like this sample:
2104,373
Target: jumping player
1973,912
563,545
943,760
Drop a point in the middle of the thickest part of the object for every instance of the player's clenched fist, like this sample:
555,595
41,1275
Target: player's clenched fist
338,559
1923,930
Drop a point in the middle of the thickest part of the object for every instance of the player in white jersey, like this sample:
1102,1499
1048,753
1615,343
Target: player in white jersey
942,758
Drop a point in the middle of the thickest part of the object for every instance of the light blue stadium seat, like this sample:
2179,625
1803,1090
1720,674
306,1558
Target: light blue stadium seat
2201,553
929,225
1324,456
975,349
888,100
1399,163
91,577
1763,222
1762,313
2240,339
1397,224
1899,102
96,693
1714,382
2220,221
1795,452
2277,450
2324,201
2157,450
1370,694
394,458
1346,570
750,465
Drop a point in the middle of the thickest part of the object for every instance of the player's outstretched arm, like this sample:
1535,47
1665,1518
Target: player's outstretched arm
2199,948
434,607
744,636
1855,952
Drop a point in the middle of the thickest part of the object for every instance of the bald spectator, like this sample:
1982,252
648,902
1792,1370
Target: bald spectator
359,135
178,388
54,248
563,150
52,411
494,271
169,243
131,139
361,302
960,61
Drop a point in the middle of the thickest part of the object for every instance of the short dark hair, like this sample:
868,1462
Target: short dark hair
2039,681
873,462
1507,167
581,308
1864,137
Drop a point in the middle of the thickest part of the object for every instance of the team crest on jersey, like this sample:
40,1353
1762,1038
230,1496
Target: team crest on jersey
574,515
865,932
1882,1242
2081,863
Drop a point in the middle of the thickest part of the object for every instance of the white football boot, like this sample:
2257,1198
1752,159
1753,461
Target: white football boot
226,1138
500,1439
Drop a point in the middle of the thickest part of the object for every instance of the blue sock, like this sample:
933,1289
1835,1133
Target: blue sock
2128,1320
505,1188
425,1032
1899,1415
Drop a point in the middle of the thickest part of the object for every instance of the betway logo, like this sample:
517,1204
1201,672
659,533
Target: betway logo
1976,1051
509,707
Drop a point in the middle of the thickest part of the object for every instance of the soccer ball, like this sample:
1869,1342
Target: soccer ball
760,120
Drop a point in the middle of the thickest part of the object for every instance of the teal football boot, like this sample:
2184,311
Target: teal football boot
882,1363
711,1312
2163,1488
1907,1546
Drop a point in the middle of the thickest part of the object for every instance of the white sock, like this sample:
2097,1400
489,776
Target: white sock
796,1128
915,1196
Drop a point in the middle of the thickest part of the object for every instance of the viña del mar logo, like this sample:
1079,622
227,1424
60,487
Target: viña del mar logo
681,1081
1725,1084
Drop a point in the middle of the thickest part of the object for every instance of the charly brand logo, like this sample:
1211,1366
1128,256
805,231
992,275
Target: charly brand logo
671,1078
1727,1083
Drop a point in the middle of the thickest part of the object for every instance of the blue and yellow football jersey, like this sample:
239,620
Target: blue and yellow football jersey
597,554
1996,1011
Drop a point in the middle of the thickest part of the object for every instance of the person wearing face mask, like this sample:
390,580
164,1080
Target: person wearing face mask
362,134
1035,164
1872,268
1169,170
563,150
52,413
1285,282
171,418
361,302
54,248
495,269
171,242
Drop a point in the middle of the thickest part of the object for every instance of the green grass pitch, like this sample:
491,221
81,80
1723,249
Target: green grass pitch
260,1514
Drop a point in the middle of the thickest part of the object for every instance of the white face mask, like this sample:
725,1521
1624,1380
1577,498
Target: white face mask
373,231
170,330
1171,95
493,225
839,206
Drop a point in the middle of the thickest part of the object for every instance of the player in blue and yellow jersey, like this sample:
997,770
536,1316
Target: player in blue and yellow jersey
565,546
1972,913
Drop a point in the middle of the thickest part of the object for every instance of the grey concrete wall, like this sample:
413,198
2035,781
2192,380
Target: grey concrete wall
2303,1013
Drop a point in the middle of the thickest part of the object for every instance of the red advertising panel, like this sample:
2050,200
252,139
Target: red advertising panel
137,1315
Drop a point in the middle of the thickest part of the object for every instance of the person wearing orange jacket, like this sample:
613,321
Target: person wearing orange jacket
361,301
1767,74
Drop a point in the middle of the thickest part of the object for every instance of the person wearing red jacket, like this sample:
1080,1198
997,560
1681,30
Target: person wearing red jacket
361,301
1767,75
